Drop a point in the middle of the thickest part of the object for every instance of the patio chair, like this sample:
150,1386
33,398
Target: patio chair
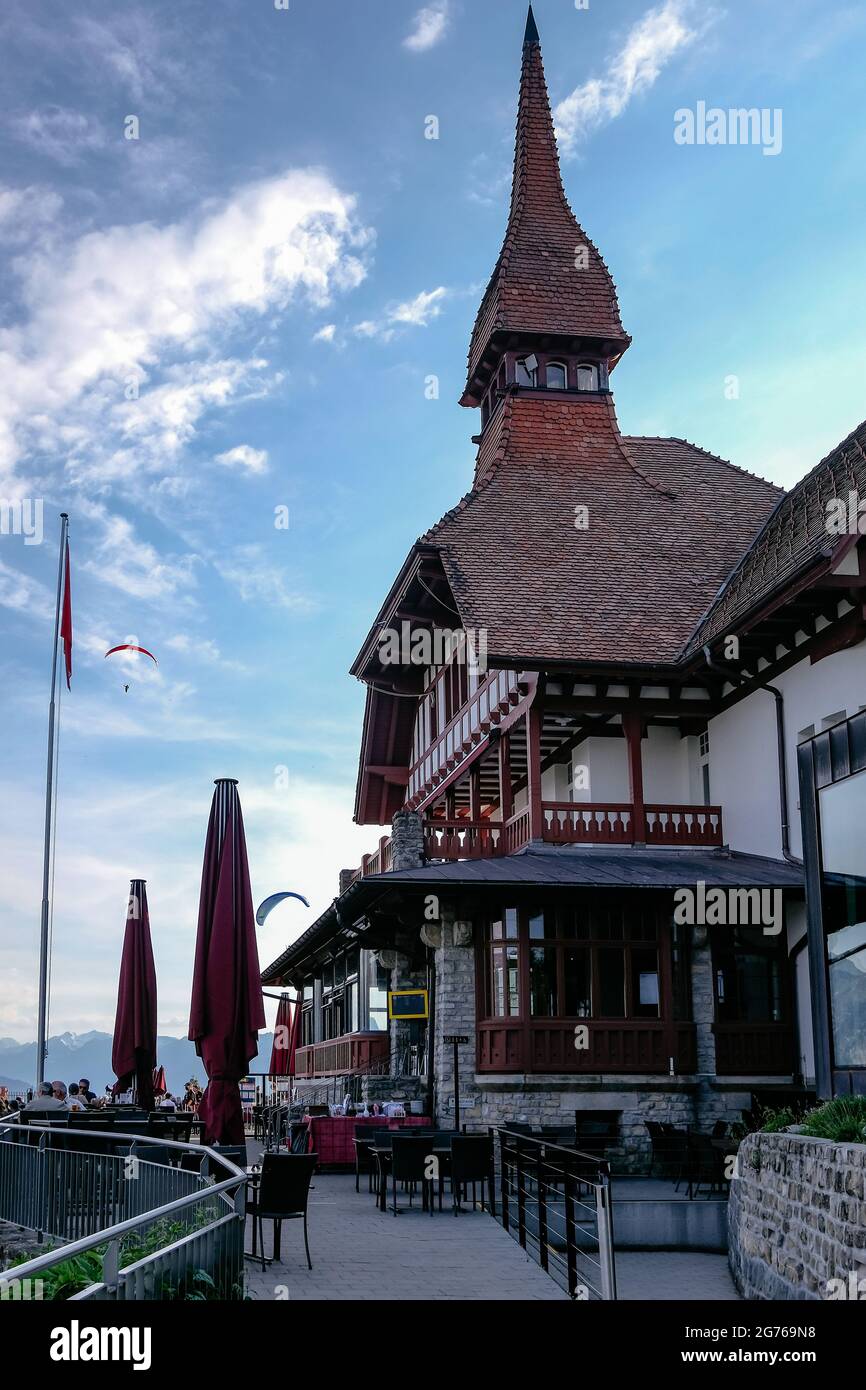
471,1162
595,1131
365,1136
282,1195
410,1165
705,1164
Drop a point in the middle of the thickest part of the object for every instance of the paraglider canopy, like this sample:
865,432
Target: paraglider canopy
131,647
270,903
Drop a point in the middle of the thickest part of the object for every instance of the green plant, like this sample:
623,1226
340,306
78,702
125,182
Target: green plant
71,1276
774,1121
842,1120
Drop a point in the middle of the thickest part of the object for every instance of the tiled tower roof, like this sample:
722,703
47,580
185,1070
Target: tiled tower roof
549,277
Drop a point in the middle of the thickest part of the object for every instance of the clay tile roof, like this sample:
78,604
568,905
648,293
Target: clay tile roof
794,539
536,285
666,524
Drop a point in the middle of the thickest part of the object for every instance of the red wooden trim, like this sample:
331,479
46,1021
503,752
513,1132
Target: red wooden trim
533,772
632,724
506,798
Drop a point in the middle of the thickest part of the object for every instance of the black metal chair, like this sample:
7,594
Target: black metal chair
282,1195
235,1153
471,1162
410,1164
705,1164
364,1139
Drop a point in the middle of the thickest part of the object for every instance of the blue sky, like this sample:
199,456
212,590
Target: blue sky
276,265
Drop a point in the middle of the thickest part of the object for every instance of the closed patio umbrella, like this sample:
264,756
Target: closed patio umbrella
285,1038
226,1011
133,1050
159,1086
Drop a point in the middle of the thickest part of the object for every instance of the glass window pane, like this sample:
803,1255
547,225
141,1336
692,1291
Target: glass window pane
511,922
611,984
542,982
576,968
644,984
504,985
536,926
556,376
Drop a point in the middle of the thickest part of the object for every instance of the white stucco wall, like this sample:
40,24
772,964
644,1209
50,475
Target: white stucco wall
744,776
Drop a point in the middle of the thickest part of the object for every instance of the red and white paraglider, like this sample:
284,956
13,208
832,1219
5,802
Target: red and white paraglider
131,647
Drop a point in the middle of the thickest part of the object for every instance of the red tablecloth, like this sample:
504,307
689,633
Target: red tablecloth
331,1136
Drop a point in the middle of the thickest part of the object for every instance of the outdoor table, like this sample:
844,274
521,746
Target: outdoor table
382,1155
332,1136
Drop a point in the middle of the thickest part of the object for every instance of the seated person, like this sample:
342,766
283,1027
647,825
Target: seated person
75,1101
85,1092
46,1099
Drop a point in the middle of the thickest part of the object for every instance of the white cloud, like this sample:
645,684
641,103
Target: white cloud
326,333
121,304
257,580
244,456
649,46
429,27
123,560
25,212
59,133
414,313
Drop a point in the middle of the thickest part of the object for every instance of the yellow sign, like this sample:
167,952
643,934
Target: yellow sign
407,1003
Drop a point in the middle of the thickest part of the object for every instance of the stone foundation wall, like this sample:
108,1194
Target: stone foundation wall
797,1218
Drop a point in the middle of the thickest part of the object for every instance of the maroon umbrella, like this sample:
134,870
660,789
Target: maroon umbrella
133,1052
159,1086
226,1011
285,1038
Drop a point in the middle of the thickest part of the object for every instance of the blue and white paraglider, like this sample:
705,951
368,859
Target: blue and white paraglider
270,903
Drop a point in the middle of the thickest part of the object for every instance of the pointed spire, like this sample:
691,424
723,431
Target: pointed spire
549,278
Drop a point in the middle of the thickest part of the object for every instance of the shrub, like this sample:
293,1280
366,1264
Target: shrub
842,1120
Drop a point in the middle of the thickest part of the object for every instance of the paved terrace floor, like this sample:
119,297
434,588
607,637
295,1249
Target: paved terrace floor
361,1253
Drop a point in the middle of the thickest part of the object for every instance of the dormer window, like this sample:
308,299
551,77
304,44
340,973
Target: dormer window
557,376
587,377
526,371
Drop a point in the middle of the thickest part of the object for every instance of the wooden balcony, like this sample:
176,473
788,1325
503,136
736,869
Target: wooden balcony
754,1049
619,1045
564,823
354,1052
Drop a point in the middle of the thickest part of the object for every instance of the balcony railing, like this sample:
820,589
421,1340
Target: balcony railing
754,1049
353,1053
564,823
618,1045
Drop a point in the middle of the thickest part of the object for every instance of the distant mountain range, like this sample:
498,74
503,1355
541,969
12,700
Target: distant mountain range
73,1055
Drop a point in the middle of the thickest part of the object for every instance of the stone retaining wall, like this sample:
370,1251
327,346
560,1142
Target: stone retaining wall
797,1217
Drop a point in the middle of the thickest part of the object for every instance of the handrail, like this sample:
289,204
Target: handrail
121,1228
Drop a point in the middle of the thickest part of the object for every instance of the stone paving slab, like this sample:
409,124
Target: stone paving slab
359,1252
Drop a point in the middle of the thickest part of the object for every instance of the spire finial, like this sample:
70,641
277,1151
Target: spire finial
531,35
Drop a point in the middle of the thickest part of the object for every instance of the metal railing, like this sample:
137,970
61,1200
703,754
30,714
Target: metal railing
556,1203
154,1226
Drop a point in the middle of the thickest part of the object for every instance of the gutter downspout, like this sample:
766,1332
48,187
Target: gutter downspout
783,814
780,747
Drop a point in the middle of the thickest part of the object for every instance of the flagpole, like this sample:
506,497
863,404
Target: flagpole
42,1041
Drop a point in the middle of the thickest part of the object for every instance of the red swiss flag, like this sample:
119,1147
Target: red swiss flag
66,622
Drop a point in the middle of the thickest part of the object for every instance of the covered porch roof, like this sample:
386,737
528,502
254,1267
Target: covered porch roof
539,866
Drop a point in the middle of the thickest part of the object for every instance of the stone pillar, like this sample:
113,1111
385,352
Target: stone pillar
407,841
709,1103
346,876
455,1013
